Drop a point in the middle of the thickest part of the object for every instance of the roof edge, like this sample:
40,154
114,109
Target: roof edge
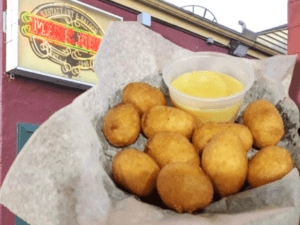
187,20
272,29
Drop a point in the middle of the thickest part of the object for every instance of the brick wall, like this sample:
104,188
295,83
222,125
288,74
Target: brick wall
294,46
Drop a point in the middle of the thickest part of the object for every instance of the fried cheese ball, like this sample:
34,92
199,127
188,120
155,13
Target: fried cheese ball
143,96
184,187
225,161
203,134
122,125
166,118
269,164
264,122
168,147
135,171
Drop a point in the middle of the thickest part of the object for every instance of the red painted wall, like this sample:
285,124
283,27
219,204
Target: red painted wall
294,47
30,101
184,39
2,40
26,101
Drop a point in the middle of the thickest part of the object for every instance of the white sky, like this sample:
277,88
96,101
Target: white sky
258,15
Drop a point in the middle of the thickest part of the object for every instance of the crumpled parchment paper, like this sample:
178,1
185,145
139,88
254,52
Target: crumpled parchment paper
62,176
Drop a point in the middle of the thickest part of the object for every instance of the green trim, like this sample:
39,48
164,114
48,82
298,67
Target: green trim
19,221
24,132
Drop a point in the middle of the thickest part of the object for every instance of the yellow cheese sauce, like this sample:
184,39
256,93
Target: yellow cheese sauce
209,84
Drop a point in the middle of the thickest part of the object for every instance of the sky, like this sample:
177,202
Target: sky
258,15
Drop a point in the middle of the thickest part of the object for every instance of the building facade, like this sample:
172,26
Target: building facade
28,97
294,46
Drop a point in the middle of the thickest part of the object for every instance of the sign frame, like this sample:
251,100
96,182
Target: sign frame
12,47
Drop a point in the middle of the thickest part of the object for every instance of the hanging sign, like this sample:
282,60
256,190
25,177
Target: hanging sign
58,40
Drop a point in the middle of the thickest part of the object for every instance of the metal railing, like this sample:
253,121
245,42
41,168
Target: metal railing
205,11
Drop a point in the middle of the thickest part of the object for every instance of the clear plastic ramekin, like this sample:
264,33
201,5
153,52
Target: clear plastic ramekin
223,109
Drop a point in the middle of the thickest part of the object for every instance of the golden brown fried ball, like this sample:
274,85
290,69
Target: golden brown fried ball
225,161
203,134
184,187
166,118
269,164
264,122
122,125
143,96
135,171
168,147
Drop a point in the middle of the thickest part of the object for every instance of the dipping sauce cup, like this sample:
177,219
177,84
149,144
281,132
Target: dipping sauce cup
221,109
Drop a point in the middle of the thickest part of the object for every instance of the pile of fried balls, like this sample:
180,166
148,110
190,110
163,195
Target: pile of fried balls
187,163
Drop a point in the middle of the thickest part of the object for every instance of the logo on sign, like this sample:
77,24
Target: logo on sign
63,34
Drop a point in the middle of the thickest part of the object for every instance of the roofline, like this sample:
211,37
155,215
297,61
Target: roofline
272,29
184,19
205,23
207,20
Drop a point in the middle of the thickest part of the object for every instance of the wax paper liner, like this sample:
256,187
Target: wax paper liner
63,173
